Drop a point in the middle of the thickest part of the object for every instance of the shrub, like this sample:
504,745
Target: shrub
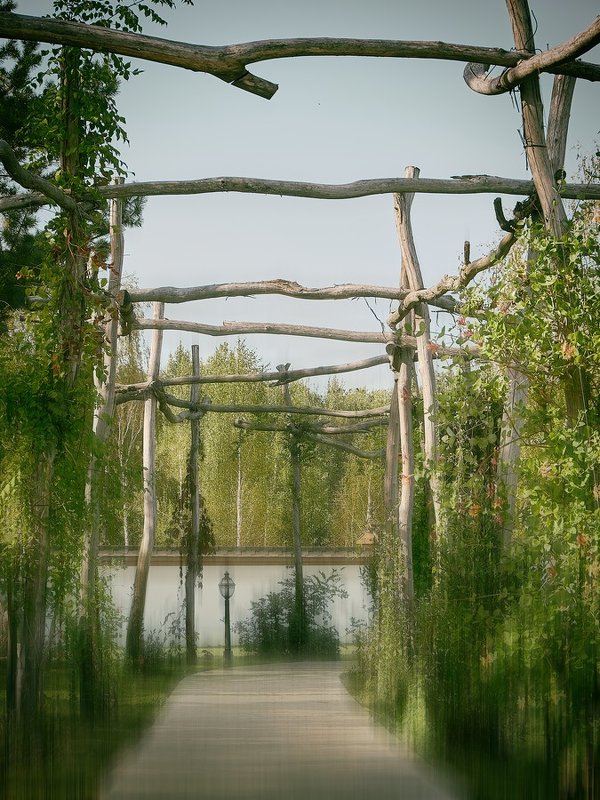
267,631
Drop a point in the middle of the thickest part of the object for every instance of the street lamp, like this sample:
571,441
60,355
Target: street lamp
227,588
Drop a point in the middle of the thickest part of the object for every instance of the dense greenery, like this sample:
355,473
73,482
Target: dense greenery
342,495
498,671
267,631
71,757
499,653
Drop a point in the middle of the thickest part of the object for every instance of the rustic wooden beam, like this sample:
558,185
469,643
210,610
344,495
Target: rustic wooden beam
245,328
330,430
348,448
278,329
243,408
279,286
230,62
407,482
193,538
459,184
257,377
138,600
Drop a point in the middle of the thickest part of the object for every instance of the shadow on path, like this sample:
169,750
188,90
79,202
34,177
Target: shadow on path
272,732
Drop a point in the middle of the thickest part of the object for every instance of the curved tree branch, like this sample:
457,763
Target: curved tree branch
30,181
205,406
173,294
452,283
348,448
475,74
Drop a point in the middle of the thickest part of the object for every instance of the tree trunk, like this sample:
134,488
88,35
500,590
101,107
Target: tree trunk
135,627
91,692
70,319
194,534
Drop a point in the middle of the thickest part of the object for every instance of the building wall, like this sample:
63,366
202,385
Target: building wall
253,579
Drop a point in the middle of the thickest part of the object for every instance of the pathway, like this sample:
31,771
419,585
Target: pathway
272,732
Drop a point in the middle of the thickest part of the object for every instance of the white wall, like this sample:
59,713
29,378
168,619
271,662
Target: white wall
165,595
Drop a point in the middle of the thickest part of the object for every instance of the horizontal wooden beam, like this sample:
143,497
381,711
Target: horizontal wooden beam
278,286
276,378
310,427
458,184
278,329
251,408
230,62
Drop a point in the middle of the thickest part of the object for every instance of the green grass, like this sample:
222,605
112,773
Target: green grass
67,757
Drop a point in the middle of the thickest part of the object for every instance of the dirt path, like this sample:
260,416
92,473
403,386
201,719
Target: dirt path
273,732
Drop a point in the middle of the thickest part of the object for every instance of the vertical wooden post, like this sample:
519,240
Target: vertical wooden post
103,415
422,325
407,457
510,447
577,380
392,454
193,538
517,382
103,418
135,625
298,628
238,497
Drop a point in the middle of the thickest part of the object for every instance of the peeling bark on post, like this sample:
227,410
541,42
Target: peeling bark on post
193,538
422,325
407,458
135,627
104,413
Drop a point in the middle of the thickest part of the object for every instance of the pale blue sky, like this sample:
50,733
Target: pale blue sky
333,120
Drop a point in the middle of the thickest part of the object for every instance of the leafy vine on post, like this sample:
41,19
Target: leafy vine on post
69,141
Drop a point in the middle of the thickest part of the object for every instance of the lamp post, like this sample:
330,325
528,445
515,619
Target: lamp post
227,588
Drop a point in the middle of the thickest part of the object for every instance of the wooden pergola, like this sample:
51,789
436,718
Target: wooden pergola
404,351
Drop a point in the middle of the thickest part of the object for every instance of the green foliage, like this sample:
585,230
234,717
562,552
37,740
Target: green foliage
99,126
541,313
254,462
384,650
507,642
20,251
268,629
